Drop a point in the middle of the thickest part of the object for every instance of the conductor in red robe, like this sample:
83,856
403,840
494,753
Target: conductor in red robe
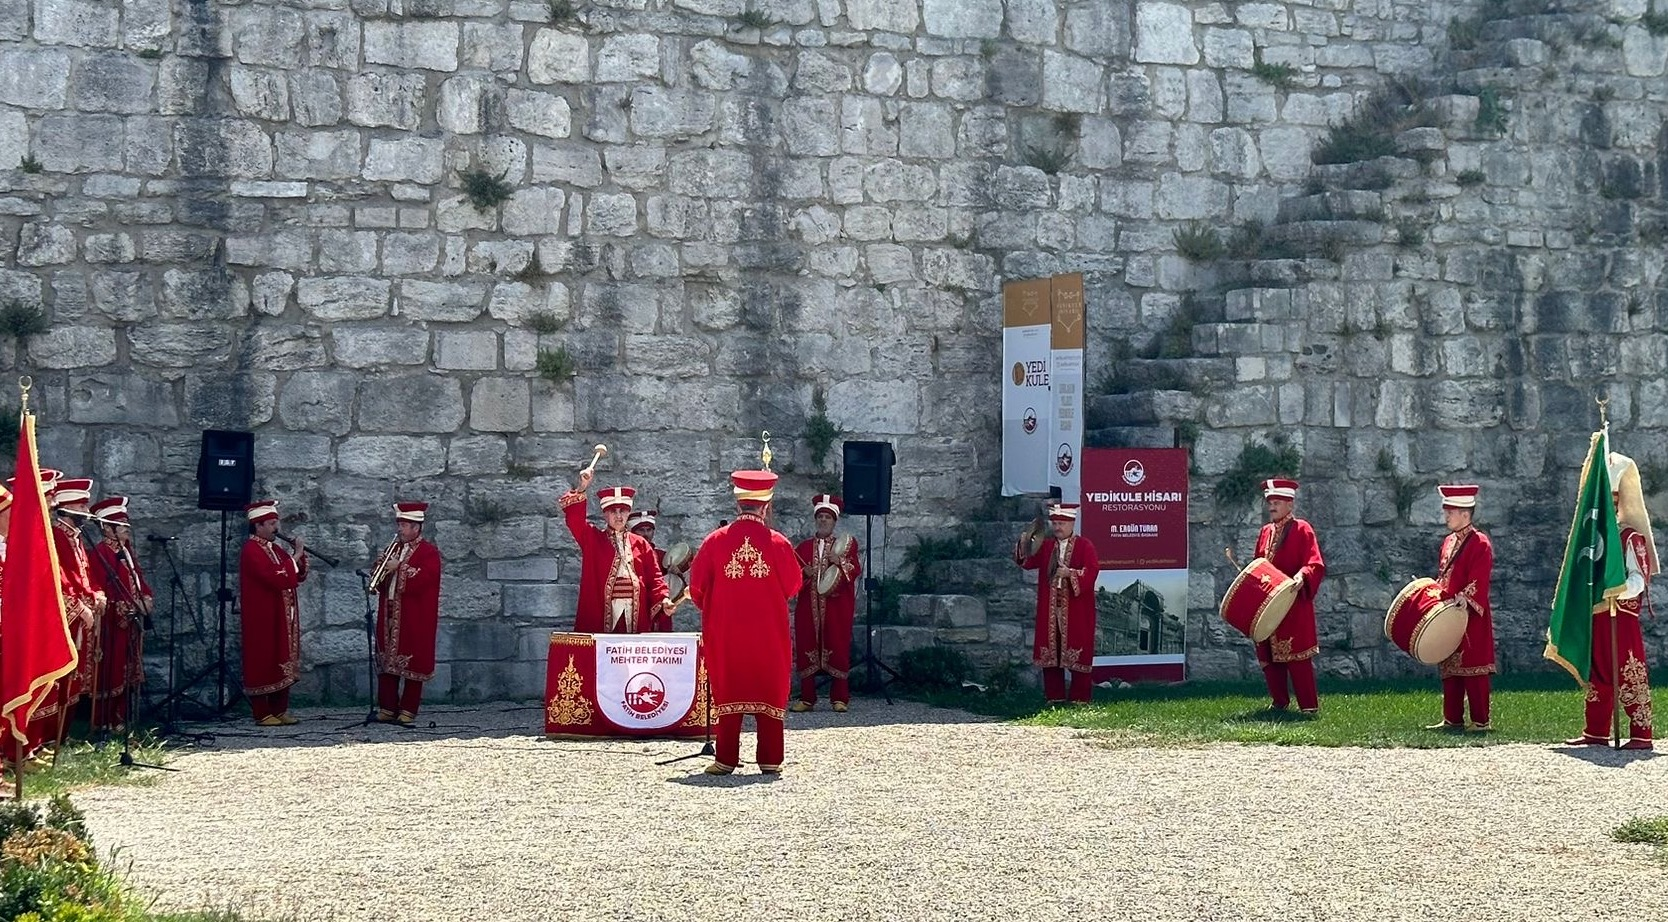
1288,654
1465,565
128,603
1627,650
267,577
407,617
1065,624
741,580
621,590
822,623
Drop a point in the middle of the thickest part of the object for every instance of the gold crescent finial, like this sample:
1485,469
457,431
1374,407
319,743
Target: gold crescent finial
765,454
1604,412
23,384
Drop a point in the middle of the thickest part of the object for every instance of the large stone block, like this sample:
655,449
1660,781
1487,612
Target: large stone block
222,147
124,399
411,403
901,16
413,45
557,56
499,405
269,36
467,103
113,82
1071,83
539,113
628,57
454,301
376,347
392,456
79,143
212,294
343,298
716,68
926,130
229,400
1164,34
318,401
409,159
73,347
386,100
316,98
524,569
178,345
318,155
963,18
492,47
71,22
467,350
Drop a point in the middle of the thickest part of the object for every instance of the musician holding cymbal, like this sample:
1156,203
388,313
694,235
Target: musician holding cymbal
1288,542
267,577
621,589
406,580
129,604
827,604
1065,625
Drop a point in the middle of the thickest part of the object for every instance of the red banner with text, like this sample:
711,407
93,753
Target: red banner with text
1135,512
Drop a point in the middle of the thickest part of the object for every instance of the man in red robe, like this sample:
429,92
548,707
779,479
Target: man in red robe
1289,543
128,604
267,577
621,590
1065,624
822,623
81,586
1628,648
407,617
741,580
1465,565
642,523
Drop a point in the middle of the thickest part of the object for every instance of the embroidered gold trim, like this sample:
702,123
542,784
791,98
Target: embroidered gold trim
569,707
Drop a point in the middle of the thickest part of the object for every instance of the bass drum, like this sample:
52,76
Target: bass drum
1258,599
1423,624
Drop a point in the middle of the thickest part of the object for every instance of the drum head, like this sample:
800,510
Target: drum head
1274,610
828,580
677,557
1440,635
842,546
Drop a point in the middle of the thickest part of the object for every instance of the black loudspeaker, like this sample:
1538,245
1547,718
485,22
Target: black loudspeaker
226,470
866,487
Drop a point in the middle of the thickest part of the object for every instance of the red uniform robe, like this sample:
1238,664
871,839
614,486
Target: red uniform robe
598,549
1292,548
1465,565
1065,623
822,623
80,587
741,580
120,665
266,577
408,613
1635,684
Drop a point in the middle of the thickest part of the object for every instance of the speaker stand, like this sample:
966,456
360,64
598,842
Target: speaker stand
872,666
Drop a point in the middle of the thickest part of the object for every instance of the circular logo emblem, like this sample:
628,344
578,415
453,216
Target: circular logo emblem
1029,421
1134,473
645,694
1019,374
1063,459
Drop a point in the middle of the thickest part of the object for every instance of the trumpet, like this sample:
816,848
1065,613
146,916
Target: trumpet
314,551
380,571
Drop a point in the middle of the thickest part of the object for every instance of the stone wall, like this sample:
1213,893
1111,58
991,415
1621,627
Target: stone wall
252,216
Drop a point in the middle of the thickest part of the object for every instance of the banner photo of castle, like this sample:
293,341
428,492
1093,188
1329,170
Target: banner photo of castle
1135,512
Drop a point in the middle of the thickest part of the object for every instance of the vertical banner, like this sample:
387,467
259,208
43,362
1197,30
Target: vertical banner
1135,512
1026,402
1065,377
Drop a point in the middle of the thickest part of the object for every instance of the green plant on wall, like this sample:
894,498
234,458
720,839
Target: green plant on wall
1403,490
820,431
1241,484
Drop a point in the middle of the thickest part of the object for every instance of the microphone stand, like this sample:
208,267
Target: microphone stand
370,650
135,644
176,588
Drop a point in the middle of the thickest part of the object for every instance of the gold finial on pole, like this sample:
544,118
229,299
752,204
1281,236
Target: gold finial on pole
1604,412
23,384
765,454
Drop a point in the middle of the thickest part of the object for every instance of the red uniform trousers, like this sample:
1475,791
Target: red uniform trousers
1635,679
1054,685
1456,690
270,705
771,746
1300,673
390,697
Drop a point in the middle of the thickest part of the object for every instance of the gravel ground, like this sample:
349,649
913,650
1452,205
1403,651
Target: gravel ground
888,812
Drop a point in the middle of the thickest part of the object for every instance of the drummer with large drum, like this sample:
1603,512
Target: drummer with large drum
1464,567
827,604
1288,543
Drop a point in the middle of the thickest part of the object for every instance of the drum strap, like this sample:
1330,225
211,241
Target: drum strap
1448,564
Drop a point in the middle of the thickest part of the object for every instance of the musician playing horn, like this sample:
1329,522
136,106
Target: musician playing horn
621,589
81,588
1634,684
822,622
1289,543
267,577
1465,565
128,604
1065,624
407,617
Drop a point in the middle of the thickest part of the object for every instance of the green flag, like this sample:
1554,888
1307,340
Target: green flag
1594,571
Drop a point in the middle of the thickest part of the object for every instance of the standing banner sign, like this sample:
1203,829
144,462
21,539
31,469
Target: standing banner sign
1135,512
1065,369
1026,401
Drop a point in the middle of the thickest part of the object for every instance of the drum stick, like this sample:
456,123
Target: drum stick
1230,552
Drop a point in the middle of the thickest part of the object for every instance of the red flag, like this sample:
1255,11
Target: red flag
35,645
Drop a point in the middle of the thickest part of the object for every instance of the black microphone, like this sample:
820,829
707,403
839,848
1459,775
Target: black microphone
161,538
362,573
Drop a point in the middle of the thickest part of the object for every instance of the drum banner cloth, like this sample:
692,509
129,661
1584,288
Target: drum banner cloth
625,685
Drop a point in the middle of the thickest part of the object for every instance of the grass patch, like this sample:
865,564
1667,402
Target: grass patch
1470,178
29,164
21,321
1404,490
1463,34
151,54
543,322
1491,112
1409,233
1241,485
1050,158
556,364
1377,714
1655,23
484,512
1279,76
484,190
563,11
988,48
83,765
754,19
1198,241
820,431
1643,831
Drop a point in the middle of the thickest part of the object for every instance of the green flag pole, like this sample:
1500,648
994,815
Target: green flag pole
1615,646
